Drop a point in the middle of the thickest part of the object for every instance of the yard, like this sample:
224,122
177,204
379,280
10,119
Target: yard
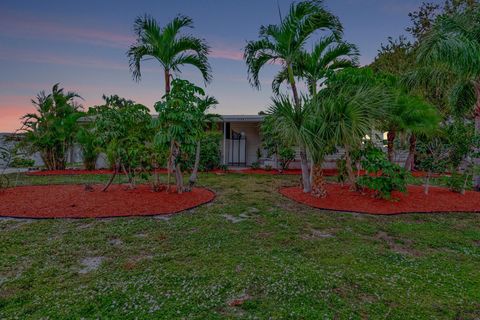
251,253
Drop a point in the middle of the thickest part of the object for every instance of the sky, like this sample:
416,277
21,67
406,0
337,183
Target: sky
82,45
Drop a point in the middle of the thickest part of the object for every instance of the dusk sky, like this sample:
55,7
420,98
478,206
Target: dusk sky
82,45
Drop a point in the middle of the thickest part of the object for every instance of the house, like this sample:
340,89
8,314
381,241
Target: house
241,145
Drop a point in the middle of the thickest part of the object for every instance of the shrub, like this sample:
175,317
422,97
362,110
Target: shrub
285,156
20,162
382,176
255,165
209,152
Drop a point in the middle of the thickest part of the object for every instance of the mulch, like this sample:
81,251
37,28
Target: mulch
340,198
73,201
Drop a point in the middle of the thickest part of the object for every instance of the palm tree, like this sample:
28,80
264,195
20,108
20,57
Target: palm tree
52,129
168,47
283,43
327,57
346,114
289,123
203,119
451,51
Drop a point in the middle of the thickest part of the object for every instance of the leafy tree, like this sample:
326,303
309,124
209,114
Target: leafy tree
210,152
382,176
283,43
177,126
327,57
450,51
433,156
51,130
394,58
166,45
203,120
123,130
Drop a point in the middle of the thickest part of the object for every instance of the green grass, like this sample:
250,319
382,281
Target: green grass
288,260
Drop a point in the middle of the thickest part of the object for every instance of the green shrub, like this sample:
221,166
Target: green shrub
255,165
285,156
382,176
342,174
210,153
19,162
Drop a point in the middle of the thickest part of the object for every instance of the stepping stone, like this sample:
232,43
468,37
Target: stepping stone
90,264
233,219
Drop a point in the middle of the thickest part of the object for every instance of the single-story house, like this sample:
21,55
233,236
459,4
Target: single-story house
241,145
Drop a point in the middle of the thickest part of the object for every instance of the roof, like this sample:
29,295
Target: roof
242,118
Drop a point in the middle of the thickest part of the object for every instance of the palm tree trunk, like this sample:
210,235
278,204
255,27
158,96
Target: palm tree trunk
193,177
305,170
291,79
348,164
318,182
410,162
476,178
390,140
167,81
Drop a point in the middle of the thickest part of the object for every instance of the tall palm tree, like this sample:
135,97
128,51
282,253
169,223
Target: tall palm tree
283,43
327,57
203,119
169,47
289,123
451,50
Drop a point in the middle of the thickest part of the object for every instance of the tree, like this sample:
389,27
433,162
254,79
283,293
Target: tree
52,129
347,111
274,144
123,130
327,57
168,47
394,58
283,43
289,124
203,119
87,139
177,125
451,50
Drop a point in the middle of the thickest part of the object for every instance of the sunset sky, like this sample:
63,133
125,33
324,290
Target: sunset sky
82,45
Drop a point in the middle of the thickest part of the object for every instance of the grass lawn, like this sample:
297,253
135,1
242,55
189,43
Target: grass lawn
249,254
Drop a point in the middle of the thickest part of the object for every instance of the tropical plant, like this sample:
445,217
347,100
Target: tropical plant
274,145
382,176
433,154
123,130
87,139
210,152
450,53
345,113
52,129
203,119
289,124
283,44
166,45
178,126
327,57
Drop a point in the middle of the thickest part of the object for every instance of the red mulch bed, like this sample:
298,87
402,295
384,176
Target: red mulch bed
415,201
72,201
75,172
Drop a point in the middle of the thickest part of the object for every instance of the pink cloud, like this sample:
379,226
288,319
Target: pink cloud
12,108
229,54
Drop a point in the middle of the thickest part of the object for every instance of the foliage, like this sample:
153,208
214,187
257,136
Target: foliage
52,129
166,45
432,157
382,176
209,152
123,130
395,58
21,162
328,56
89,144
180,124
275,145
284,42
